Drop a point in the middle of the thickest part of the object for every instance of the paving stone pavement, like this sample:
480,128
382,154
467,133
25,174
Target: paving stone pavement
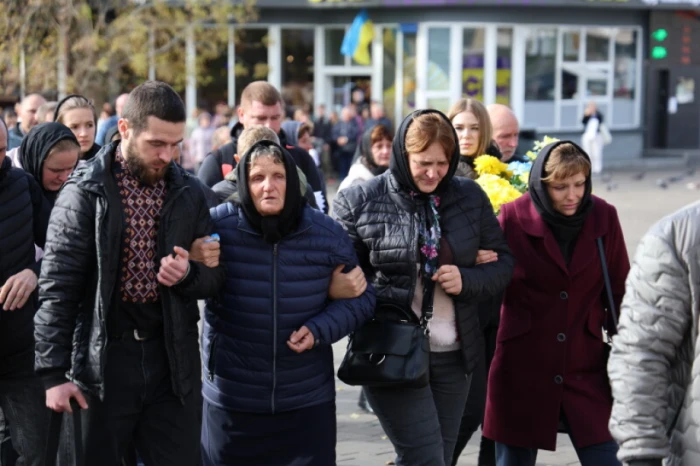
640,203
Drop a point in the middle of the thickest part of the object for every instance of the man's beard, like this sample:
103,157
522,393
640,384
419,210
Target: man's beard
139,170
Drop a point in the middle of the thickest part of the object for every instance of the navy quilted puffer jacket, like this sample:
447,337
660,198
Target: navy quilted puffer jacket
271,291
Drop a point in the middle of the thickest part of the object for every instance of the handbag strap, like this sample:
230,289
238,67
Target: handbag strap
608,286
54,436
427,306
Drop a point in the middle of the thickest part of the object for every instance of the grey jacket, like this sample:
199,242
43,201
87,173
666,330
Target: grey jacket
652,366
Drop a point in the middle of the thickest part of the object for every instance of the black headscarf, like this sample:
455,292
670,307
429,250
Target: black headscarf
36,146
272,227
565,228
399,158
364,153
90,153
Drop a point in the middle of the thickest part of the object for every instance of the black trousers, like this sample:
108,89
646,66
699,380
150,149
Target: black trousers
476,403
140,409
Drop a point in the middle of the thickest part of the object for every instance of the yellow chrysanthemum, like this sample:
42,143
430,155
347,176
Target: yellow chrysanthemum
489,165
499,190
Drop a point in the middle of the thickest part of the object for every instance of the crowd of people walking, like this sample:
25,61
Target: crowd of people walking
114,225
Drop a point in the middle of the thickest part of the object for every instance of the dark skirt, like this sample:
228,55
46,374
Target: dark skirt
305,437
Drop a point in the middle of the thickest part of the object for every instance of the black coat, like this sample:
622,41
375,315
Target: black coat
79,276
382,221
23,218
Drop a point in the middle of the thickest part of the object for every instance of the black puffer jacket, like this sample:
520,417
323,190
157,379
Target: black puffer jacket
80,272
23,217
382,219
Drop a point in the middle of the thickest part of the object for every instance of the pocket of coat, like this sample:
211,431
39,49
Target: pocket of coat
514,323
596,319
211,363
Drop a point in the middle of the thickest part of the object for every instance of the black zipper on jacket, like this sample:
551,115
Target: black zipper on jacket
211,365
274,325
168,329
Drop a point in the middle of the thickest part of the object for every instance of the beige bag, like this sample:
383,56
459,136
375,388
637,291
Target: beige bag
605,133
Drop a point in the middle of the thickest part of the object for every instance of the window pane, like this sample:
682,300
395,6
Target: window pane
625,79
298,69
597,45
572,44
409,74
251,57
569,82
334,39
540,64
504,66
538,114
442,104
389,72
597,88
473,63
438,59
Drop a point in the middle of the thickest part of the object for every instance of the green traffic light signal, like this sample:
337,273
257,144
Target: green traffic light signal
660,34
659,53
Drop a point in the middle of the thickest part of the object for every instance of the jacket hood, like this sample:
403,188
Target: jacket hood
291,130
399,157
38,143
236,130
272,227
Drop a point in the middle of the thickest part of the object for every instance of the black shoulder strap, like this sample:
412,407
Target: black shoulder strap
608,286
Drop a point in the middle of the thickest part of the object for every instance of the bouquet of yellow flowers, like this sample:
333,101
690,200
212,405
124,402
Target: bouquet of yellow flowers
504,183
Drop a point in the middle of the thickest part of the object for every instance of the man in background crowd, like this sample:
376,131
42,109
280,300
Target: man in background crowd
506,132
26,111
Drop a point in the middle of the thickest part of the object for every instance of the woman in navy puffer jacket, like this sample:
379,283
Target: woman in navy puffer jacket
269,388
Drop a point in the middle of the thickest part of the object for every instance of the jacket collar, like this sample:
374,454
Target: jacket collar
595,226
98,171
305,223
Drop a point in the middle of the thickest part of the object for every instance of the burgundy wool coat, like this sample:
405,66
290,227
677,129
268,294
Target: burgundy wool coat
550,355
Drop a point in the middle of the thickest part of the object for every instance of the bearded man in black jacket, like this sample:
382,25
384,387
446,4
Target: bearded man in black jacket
115,331
23,219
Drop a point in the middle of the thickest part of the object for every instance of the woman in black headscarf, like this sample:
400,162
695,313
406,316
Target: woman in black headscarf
269,389
49,153
549,368
417,229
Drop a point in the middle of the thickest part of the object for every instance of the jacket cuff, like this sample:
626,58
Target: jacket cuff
190,275
36,268
646,462
314,331
54,379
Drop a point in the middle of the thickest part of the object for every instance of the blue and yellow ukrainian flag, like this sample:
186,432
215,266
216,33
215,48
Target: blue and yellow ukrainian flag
357,40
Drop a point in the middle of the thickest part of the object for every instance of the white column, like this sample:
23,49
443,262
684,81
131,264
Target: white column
231,66
456,62
274,56
377,80
517,74
152,54
421,66
398,86
490,63
62,62
319,62
191,71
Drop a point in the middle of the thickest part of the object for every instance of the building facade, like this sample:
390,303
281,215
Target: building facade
545,58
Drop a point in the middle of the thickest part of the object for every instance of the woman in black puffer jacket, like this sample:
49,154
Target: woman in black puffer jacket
416,224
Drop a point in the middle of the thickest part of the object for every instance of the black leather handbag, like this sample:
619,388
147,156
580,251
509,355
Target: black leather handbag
391,349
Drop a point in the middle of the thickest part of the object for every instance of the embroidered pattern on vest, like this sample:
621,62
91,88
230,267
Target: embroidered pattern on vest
141,206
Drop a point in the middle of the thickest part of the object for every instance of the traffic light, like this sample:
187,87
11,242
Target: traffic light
659,52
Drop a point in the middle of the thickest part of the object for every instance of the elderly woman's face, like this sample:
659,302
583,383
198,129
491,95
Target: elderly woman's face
429,167
267,181
566,194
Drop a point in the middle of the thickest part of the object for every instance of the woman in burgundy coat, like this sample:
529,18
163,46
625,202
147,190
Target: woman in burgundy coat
549,369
